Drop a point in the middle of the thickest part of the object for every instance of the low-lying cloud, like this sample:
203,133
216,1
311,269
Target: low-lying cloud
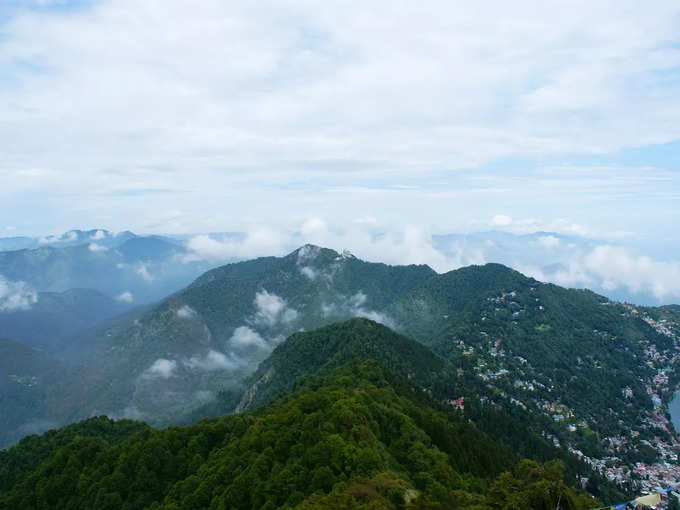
185,312
549,241
125,297
96,248
16,295
212,361
244,336
614,268
258,242
272,309
160,369
143,271
355,306
410,245
564,252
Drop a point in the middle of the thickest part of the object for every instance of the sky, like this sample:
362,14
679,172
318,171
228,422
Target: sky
171,116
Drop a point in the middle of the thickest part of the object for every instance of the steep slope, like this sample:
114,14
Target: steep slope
55,318
360,438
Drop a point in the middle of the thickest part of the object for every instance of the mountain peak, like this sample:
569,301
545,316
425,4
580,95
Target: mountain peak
310,252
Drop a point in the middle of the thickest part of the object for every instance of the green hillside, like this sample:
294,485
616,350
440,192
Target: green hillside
359,438
320,351
196,330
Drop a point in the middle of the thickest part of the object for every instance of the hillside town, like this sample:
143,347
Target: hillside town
508,380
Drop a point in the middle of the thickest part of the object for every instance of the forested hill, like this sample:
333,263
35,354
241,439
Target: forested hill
321,350
358,438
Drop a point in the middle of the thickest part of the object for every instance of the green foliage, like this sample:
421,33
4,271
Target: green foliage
320,351
358,438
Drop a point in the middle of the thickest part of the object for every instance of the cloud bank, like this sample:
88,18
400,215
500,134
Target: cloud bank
613,268
569,255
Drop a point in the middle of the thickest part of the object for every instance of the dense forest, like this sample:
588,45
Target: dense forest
359,437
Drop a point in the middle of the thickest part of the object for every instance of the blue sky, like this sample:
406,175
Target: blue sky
165,116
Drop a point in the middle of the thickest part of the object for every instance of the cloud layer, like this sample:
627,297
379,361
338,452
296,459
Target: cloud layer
614,269
332,109
564,257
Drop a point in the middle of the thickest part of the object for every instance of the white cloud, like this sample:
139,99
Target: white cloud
290,101
142,270
16,295
377,317
212,361
161,368
125,297
246,337
257,242
407,245
549,241
308,252
354,306
357,300
501,220
98,235
309,272
615,267
186,312
610,268
94,247
272,309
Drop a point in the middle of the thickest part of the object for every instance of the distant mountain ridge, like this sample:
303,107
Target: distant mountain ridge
135,269
52,321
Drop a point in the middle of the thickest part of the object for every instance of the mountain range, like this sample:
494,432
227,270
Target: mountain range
546,372
129,268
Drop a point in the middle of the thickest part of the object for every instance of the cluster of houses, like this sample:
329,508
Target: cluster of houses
665,471
640,477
